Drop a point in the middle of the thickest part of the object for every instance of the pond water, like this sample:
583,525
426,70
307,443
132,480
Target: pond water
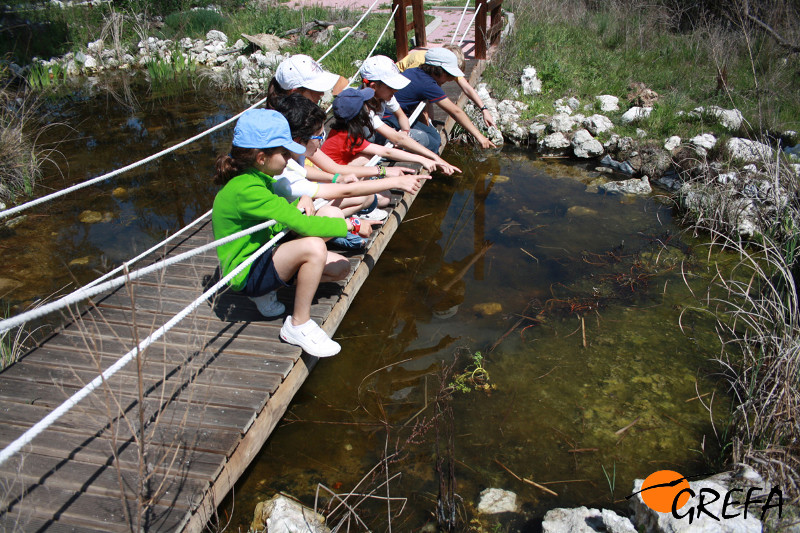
574,301
576,306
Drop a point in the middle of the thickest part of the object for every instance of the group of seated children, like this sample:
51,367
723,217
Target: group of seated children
281,167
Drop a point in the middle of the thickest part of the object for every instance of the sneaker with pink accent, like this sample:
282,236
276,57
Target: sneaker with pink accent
268,304
309,337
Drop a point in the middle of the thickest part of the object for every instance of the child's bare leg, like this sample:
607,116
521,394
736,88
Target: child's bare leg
352,205
307,258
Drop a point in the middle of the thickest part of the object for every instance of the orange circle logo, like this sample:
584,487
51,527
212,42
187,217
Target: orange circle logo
660,488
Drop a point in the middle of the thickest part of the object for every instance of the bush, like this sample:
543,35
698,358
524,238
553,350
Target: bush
194,23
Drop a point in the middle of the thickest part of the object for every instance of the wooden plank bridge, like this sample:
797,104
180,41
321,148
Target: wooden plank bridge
162,442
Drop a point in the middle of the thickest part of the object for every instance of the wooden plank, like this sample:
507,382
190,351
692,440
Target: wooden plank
29,385
35,471
79,509
244,374
209,434
97,450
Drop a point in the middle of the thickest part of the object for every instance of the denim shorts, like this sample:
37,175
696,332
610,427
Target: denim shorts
262,277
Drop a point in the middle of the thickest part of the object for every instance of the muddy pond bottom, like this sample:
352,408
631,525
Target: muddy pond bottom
522,332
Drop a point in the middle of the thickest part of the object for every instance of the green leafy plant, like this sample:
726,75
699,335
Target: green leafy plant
611,480
474,377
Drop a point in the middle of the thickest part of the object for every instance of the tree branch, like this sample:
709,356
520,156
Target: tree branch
793,48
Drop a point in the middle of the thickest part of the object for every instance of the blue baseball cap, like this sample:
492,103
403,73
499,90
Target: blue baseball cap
264,128
348,103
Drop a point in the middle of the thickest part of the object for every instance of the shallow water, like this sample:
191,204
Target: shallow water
580,295
578,303
75,238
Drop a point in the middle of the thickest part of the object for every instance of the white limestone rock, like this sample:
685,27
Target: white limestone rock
283,515
731,119
598,124
635,113
561,122
706,141
585,146
672,143
749,151
608,103
555,144
583,520
634,186
494,501
531,84
216,36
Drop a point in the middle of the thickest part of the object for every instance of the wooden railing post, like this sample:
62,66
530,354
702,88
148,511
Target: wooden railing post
419,23
400,28
480,31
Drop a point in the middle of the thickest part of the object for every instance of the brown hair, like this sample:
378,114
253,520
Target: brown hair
434,71
237,161
275,93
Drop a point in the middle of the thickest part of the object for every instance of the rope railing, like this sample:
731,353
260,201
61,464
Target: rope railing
471,22
334,47
99,286
464,12
150,250
83,184
72,401
87,292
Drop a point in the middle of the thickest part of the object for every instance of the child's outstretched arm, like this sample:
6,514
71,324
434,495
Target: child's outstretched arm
410,183
459,116
323,161
472,94
404,141
399,155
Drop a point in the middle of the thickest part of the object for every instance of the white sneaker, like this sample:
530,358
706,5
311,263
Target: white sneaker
268,304
375,214
309,337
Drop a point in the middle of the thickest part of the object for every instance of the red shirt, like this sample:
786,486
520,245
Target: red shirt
339,148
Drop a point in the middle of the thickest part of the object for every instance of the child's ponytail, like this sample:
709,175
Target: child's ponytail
234,163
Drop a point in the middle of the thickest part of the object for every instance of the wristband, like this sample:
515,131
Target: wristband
382,172
484,108
356,224
334,177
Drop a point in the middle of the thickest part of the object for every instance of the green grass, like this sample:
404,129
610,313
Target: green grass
596,53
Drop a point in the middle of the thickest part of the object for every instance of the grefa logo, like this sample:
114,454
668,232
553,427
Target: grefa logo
667,491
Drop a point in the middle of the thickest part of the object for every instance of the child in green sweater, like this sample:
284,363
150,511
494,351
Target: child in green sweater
262,143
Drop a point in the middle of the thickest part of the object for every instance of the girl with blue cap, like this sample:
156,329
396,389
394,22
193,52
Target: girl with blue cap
262,143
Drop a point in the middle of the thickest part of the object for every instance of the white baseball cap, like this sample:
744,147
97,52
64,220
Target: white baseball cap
381,68
302,71
442,57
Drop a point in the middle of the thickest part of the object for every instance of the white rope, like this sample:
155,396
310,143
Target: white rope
464,12
17,209
88,292
130,262
349,32
62,409
464,36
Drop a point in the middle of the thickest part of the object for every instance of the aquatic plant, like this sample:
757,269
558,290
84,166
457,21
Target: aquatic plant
20,162
474,377
42,76
176,67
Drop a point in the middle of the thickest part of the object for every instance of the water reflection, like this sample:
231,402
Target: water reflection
71,240
572,297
